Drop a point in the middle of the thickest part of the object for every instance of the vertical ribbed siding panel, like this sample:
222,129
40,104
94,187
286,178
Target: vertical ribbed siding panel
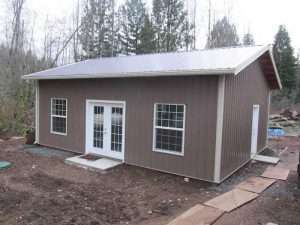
241,93
199,93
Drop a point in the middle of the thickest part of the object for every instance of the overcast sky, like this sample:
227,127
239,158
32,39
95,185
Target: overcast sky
262,17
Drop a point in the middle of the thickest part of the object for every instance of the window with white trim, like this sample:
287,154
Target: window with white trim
59,116
169,124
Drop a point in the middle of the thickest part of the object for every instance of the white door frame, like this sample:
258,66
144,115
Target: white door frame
254,130
89,122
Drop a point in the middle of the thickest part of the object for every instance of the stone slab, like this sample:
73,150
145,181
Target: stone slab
231,200
198,215
256,184
276,172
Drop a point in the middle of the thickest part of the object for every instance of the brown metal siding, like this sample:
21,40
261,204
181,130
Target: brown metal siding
241,93
198,93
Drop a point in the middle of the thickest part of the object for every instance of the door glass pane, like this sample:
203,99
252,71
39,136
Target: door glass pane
116,129
98,126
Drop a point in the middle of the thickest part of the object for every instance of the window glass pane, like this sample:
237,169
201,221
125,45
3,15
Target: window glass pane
116,129
169,115
59,107
170,140
59,115
169,122
98,126
59,124
172,108
180,108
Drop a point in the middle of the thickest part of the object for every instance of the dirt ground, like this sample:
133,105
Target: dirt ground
39,190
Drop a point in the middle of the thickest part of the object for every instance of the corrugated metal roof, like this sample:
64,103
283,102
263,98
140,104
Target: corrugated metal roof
211,61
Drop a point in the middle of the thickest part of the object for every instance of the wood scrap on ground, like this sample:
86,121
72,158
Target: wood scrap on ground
256,184
231,200
198,215
276,172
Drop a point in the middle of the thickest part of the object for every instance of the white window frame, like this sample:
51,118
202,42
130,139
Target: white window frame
154,149
51,115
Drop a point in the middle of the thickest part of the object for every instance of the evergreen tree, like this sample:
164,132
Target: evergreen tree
96,32
285,60
248,40
297,98
133,20
170,24
189,36
223,34
147,37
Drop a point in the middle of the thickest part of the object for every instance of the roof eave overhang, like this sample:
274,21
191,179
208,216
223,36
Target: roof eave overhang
275,69
133,74
256,56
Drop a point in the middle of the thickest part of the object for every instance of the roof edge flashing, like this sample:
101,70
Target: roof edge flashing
275,68
250,60
133,75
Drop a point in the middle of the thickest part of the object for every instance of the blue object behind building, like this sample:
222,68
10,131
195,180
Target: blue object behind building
275,132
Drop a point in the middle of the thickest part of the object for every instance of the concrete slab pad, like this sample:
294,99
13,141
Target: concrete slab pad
276,173
231,200
255,184
102,164
266,159
198,215
47,152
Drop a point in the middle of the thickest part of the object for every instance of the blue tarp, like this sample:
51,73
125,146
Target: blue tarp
275,132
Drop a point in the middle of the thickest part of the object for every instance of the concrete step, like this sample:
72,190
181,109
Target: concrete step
266,159
101,165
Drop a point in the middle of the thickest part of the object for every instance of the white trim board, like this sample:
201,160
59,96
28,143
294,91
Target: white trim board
37,112
219,128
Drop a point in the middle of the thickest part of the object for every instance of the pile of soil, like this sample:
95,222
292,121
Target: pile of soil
40,190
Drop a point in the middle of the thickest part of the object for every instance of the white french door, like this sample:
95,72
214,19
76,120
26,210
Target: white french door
105,128
254,136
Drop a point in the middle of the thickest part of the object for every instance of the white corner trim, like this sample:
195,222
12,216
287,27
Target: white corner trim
268,116
219,129
37,112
